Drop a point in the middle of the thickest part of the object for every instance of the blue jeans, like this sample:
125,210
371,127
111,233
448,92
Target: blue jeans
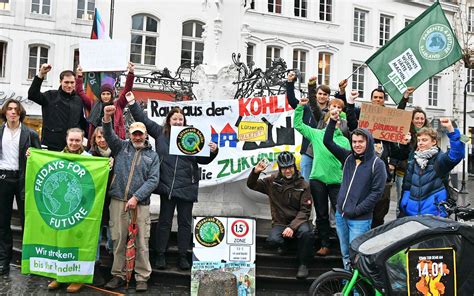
347,231
306,164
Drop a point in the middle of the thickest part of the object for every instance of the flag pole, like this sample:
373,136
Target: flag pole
360,66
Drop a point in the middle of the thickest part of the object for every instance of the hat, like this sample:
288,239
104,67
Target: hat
137,127
107,87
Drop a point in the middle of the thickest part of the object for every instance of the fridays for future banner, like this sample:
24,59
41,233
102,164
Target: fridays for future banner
245,130
63,208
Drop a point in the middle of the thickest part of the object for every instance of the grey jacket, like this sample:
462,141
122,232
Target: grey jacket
136,172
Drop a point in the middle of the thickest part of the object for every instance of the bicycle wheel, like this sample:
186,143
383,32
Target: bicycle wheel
333,282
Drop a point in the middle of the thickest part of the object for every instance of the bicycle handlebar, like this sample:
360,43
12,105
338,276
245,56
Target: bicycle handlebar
462,212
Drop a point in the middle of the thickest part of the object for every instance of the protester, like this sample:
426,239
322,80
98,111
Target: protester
107,92
363,181
290,204
326,172
62,109
425,182
15,139
179,183
136,175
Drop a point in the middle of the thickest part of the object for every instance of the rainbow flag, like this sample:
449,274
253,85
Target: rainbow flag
93,80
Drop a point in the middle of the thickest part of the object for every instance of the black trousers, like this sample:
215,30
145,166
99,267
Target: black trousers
185,219
382,207
9,189
304,235
321,192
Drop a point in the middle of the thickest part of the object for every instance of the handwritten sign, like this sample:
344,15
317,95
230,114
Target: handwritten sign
103,55
384,123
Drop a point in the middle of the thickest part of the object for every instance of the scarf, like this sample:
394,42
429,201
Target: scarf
97,112
80,151
104,152
422,157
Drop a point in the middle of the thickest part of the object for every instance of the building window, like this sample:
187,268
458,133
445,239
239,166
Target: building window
324,68
301,8
85,9
192,45
358,78
38,56
360,23
325,10
274,6
384,31
144,39
407,22
470,77
433,91
299,62
75,61
3,58
470,20
4,4
250,54
272,54
252,4
41,6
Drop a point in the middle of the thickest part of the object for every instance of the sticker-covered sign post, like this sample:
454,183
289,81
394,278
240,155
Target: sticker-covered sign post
385,123
431,271
224,245
63,209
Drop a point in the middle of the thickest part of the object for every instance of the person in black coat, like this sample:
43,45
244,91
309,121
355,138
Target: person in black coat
62,109
179,182
15,139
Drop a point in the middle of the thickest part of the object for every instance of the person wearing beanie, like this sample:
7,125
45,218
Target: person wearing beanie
107,91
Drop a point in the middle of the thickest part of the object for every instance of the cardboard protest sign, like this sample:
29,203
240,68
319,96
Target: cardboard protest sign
102,55
388,124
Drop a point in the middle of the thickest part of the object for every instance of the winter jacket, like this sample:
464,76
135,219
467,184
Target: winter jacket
95,108
422,189
136,172
28,138
61,111
308,118
179,177
290,199
324,161
105,210
363,177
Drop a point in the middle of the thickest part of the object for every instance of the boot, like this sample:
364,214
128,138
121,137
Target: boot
302,272
74,288
98,280
183,262
160,261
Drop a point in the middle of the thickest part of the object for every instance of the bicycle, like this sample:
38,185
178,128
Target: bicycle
461,213
380,257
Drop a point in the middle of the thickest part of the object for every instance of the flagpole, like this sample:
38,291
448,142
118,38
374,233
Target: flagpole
112,11
360,66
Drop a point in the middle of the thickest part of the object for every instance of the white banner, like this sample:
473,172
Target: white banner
103,55
246,130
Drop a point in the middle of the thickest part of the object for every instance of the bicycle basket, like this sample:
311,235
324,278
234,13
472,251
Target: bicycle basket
405,254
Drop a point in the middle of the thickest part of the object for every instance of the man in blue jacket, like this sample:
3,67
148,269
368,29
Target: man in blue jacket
426,178
363,182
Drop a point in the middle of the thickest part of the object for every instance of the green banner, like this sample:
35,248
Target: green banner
422,49
63,208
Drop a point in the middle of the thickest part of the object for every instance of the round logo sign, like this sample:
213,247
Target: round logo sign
209,232
64,193
190,141
436,42
240,228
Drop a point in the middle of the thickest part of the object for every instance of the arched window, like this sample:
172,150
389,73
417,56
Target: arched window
299,62
3,58
192,44
144,39
38,55
324,68
273,52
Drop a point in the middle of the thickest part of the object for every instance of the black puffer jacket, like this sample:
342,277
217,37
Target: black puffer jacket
179,175
61,111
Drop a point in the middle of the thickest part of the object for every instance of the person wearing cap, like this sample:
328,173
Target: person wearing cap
290,204
61,109
107,91
136,175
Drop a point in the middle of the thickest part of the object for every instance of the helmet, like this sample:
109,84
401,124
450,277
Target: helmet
285,159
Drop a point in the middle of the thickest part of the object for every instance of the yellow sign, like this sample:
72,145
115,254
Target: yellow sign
250,131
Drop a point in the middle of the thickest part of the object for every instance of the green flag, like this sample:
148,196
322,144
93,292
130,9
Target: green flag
422,49
63,207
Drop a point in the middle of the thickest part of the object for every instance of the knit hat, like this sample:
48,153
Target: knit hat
107,87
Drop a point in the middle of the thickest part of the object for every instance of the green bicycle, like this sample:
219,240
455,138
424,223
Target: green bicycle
405,257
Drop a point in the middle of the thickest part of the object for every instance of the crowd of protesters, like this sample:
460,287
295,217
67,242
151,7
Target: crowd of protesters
346,174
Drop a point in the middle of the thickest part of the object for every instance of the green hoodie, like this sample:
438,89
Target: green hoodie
326,167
